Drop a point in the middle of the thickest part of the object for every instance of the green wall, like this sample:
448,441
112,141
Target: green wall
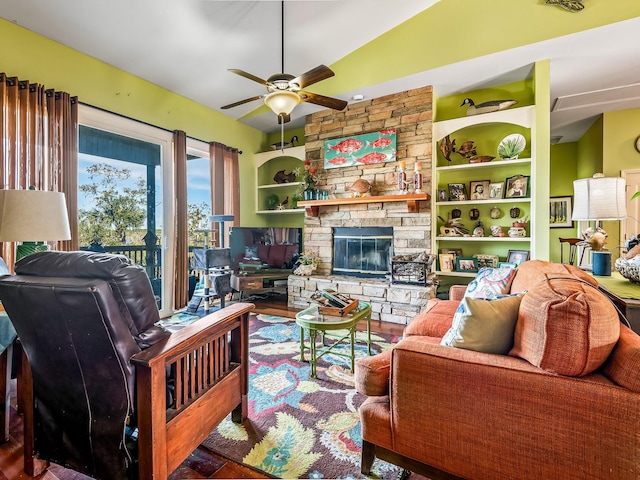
564,166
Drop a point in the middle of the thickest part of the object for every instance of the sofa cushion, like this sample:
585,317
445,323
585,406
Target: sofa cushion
566,327
484,325
623,364
434,321
490,282
532,272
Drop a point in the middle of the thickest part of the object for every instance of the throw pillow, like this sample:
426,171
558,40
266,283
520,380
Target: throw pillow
484,325
565,327
623,364
490,283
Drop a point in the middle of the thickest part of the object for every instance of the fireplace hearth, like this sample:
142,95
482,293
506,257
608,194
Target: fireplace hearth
362,252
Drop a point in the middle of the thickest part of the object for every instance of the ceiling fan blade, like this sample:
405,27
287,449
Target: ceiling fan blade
321,72
244,74
334,103
241,102
284,118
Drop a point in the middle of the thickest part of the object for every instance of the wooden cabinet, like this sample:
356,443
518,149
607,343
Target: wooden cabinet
486,131
269,192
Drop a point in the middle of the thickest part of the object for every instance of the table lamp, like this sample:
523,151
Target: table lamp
599,198
33,217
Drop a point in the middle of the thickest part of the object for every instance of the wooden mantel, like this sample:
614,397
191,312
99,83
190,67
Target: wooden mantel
312,207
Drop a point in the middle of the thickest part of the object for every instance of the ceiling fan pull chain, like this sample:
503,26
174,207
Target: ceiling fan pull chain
282,132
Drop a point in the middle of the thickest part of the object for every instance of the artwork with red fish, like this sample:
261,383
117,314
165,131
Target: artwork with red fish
338,161
365,149
373,157
380,143
350,145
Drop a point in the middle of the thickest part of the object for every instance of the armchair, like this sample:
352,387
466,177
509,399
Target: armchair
99,372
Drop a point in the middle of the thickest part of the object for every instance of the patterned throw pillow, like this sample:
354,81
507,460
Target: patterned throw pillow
484,325
491,283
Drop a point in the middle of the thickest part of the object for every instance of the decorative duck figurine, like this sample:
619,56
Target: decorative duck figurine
486,107
467,149
570,5
281,145
360,188
283,203
447,147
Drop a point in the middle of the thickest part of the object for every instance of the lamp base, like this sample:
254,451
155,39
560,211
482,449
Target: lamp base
27,248
601,263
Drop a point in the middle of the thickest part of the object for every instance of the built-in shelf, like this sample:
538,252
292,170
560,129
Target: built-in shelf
312,207
484,239
285,211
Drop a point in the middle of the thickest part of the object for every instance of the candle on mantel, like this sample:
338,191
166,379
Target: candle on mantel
417,166
402,164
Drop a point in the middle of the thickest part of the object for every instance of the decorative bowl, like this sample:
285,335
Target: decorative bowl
629,269
511,146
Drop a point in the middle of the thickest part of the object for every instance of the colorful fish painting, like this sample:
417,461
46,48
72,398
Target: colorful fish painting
366,149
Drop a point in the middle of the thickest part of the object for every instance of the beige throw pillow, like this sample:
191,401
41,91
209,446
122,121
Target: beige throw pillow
484,325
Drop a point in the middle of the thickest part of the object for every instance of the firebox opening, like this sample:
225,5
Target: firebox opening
362,252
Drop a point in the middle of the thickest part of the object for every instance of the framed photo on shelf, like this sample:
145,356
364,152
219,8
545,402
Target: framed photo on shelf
442,195
517,186
466,264
496,190
479,189
457,191
456,252
447,262
486,260
518,256
560,210
507,265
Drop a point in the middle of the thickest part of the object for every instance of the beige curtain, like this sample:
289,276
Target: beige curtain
225,185
39,146
181,287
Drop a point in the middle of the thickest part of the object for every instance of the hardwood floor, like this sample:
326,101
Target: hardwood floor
201,464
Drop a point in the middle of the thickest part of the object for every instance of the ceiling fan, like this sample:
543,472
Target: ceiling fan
285,91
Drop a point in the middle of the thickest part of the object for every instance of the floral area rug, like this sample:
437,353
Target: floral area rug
298,426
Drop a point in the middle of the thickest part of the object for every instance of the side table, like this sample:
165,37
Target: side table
624,295
312,321
7,336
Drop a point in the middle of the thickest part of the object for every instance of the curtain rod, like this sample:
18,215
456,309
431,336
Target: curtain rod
151,125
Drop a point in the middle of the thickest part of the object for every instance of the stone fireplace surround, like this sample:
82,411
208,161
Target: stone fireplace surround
410,114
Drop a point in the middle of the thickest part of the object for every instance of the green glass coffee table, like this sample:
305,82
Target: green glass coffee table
312,321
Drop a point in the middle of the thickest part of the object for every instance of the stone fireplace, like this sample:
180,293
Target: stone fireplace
362,252
410,225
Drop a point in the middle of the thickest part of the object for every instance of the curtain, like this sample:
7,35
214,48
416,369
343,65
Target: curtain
39,146
181,287
225,185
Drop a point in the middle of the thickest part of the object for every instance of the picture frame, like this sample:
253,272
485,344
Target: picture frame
485,260
507,265
496,190
479,189
373,147
517,186
447,262
560,209
467,264
456,252
518,256
443,195
457,192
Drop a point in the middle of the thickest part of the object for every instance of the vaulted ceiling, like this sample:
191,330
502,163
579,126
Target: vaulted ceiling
188,46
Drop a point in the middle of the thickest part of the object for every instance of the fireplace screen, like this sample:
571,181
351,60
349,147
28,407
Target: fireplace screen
362,252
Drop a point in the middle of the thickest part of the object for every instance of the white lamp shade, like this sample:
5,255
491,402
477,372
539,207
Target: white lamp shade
599,198
33,216
282,102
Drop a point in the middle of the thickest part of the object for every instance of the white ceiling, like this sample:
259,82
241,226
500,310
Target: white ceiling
186,46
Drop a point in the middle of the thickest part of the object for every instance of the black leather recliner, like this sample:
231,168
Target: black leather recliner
82,318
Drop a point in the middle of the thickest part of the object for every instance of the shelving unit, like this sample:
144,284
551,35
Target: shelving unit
486,130
267,164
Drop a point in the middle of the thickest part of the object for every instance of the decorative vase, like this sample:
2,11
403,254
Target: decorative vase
310,194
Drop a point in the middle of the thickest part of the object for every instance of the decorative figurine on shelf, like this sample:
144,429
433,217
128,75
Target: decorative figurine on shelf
447,147
281,177
403,185
467,149
514,212
417,177
495,213
360,188
474,213
456,213
486,107
453,228
282,204
478,229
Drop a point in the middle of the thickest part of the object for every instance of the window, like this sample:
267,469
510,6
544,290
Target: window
124,175
199,194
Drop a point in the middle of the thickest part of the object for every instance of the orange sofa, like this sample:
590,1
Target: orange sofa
562,402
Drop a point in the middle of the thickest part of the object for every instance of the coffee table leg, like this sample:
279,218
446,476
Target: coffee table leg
313,334
302,345
353,350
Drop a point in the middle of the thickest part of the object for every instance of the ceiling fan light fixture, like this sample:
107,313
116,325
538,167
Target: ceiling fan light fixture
282,102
